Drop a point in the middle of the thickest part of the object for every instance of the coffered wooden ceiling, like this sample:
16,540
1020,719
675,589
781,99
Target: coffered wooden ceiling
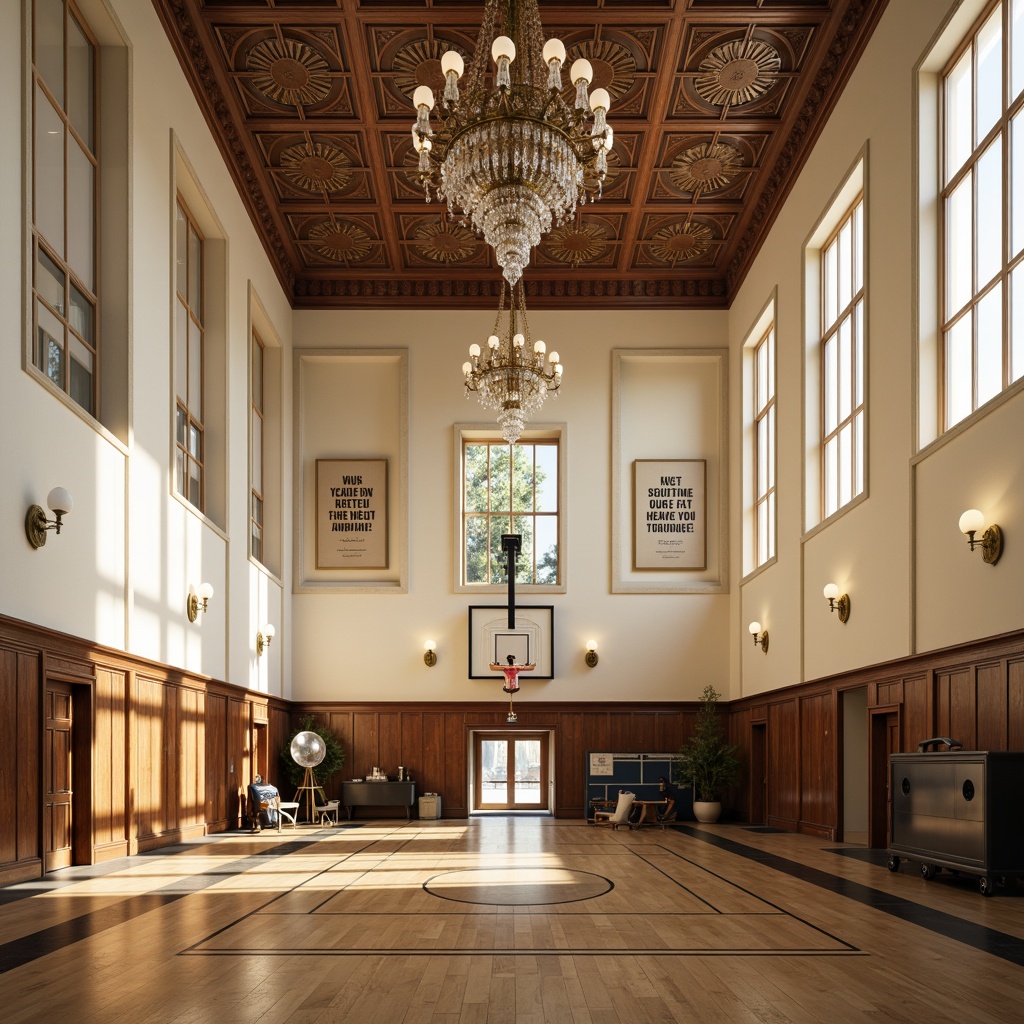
715,105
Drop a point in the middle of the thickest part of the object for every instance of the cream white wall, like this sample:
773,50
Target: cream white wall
913,584
651,646
119,572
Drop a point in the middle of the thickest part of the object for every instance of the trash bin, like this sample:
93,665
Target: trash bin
430,805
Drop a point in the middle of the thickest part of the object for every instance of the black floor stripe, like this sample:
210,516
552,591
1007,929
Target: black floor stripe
988,940
24,950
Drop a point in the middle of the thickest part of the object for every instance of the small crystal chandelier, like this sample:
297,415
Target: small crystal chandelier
511,375
511,156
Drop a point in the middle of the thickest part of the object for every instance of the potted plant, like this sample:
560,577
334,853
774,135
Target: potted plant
707,761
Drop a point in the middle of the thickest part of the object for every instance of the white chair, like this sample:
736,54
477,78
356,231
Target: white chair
620,816
286,809
326,811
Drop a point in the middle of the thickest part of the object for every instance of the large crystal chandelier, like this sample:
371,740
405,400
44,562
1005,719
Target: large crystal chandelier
510,155
511,376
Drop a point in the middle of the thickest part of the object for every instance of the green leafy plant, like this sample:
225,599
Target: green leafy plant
706,759
334,758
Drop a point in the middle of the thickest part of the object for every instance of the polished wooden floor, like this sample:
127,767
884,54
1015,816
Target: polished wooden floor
508,919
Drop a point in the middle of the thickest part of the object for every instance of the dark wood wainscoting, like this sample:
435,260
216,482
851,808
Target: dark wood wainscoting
159,754
172,753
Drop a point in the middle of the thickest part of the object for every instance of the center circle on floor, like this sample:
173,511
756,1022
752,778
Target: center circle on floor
517,886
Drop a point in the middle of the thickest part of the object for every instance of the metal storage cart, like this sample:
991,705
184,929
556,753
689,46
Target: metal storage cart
959,810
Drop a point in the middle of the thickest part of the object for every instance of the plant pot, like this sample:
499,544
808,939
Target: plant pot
707,810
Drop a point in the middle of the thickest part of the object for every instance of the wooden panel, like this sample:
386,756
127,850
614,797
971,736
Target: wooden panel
389,736
915,715
783,779
889,693
109,758
365,744
991,712
1015,704
26,750
149,756
240,769
963,709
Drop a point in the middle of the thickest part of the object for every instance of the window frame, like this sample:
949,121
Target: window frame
72,279
765,503
829,333
540,433
257,412
184,458
1009,265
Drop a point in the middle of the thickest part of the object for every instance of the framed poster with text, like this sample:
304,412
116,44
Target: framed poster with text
351,513
670,514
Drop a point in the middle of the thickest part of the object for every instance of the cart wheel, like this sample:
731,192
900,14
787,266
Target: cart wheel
893,864
928,871
986,885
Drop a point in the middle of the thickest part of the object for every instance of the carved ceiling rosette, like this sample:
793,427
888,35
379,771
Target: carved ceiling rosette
289,72
443,241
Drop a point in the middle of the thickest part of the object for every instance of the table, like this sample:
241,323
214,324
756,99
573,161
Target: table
379,794
644,805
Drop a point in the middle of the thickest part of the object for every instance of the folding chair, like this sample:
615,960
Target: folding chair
620,816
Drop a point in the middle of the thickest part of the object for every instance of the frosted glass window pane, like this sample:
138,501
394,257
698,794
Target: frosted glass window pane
959,371
180,351
195,272
181,252
257,453
845,265
1017,48
48,163
762,533
845,368
859,453
771,447
858,355
990,345
81,215
990,74
990,213
79,353
195,442
959,141
770,360
80,83
762,377
1017,324
858,247
831,381
257,375
959,242
831,480
1017,184
48,37
830,309
845,464
547,478
49,281
80,384
81,316
762,456
181,423
771,526
195,370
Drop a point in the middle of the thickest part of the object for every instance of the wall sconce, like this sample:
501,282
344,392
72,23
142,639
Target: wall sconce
263,638
972,522
837,602
760,639
198,600
36,523
591,656
430,653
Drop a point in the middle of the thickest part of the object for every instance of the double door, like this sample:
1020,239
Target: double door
511,771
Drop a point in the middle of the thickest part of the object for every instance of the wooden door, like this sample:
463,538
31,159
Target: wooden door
511,771
58,767
884,740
